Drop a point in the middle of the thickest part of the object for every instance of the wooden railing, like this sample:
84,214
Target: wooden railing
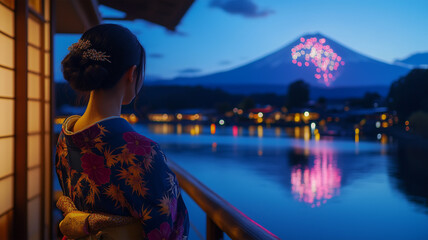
222,217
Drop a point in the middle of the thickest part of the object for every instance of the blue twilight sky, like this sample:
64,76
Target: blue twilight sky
217,35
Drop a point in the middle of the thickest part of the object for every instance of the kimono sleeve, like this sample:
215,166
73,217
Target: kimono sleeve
61,164
155,199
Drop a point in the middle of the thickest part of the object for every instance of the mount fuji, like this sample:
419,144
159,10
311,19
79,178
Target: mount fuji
274,72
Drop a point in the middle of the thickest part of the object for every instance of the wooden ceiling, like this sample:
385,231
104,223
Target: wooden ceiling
167,13
75,16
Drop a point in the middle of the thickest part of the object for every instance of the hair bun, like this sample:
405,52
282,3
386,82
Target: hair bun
101,57
83,75
93,77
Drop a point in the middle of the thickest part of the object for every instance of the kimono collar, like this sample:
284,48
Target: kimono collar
71,120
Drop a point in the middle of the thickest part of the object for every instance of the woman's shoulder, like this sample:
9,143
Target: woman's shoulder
122,129
114,133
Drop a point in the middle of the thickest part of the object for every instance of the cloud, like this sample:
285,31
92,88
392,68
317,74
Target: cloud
246,8
156,55
190,70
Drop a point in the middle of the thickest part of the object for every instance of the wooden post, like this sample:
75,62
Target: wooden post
213,231
20,218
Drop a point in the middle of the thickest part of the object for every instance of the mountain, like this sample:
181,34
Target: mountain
274,72
415,60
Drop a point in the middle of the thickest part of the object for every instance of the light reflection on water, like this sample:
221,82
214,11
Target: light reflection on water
303,132
289,181
315,185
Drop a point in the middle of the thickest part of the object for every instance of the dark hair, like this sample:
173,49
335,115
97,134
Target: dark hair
116,41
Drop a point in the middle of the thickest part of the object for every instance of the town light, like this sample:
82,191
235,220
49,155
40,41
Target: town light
377,124
212,128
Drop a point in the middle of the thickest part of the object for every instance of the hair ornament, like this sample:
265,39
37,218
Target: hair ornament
89,53
95,55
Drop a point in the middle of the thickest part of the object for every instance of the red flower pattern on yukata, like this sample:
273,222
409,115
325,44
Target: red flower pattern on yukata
163,232
137,144
94,166
86,139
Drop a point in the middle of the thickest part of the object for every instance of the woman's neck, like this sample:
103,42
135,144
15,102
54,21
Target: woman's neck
102,104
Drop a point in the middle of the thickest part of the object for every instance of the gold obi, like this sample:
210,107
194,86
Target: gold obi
90,226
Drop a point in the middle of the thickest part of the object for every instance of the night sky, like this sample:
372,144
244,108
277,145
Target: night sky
217,35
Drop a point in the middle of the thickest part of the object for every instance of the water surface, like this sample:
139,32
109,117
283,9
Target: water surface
301,188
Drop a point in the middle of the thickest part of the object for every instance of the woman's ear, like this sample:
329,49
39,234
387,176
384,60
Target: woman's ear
132,74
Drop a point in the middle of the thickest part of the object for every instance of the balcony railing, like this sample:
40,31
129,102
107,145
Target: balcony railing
222,217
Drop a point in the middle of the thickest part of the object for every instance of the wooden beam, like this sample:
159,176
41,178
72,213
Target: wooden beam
213,231
20,221
49,175
42,128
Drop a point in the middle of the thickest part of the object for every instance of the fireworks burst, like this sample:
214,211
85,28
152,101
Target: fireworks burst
313,51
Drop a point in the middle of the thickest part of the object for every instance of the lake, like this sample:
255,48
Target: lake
301,187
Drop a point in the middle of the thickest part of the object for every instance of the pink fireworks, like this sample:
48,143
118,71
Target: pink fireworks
313,51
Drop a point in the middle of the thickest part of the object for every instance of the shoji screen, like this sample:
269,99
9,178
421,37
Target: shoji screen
34,125
7,106
25,119
38,118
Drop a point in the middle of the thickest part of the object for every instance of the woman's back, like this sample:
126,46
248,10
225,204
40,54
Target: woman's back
109,168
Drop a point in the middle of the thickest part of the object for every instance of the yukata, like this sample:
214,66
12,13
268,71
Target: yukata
109,168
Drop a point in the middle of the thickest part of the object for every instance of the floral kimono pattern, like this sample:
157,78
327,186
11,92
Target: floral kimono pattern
110,168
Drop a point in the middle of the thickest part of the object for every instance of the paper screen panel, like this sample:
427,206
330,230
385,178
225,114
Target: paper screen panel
47,89
9,3
7,47
47,64
47,37
34,30
34,86
34,115
7,82
47,10
6,197
36,5
47,117
7,21
34,148
34,217
33,182
33,59
6,117
6,150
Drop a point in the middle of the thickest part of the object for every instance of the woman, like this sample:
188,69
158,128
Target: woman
104,167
